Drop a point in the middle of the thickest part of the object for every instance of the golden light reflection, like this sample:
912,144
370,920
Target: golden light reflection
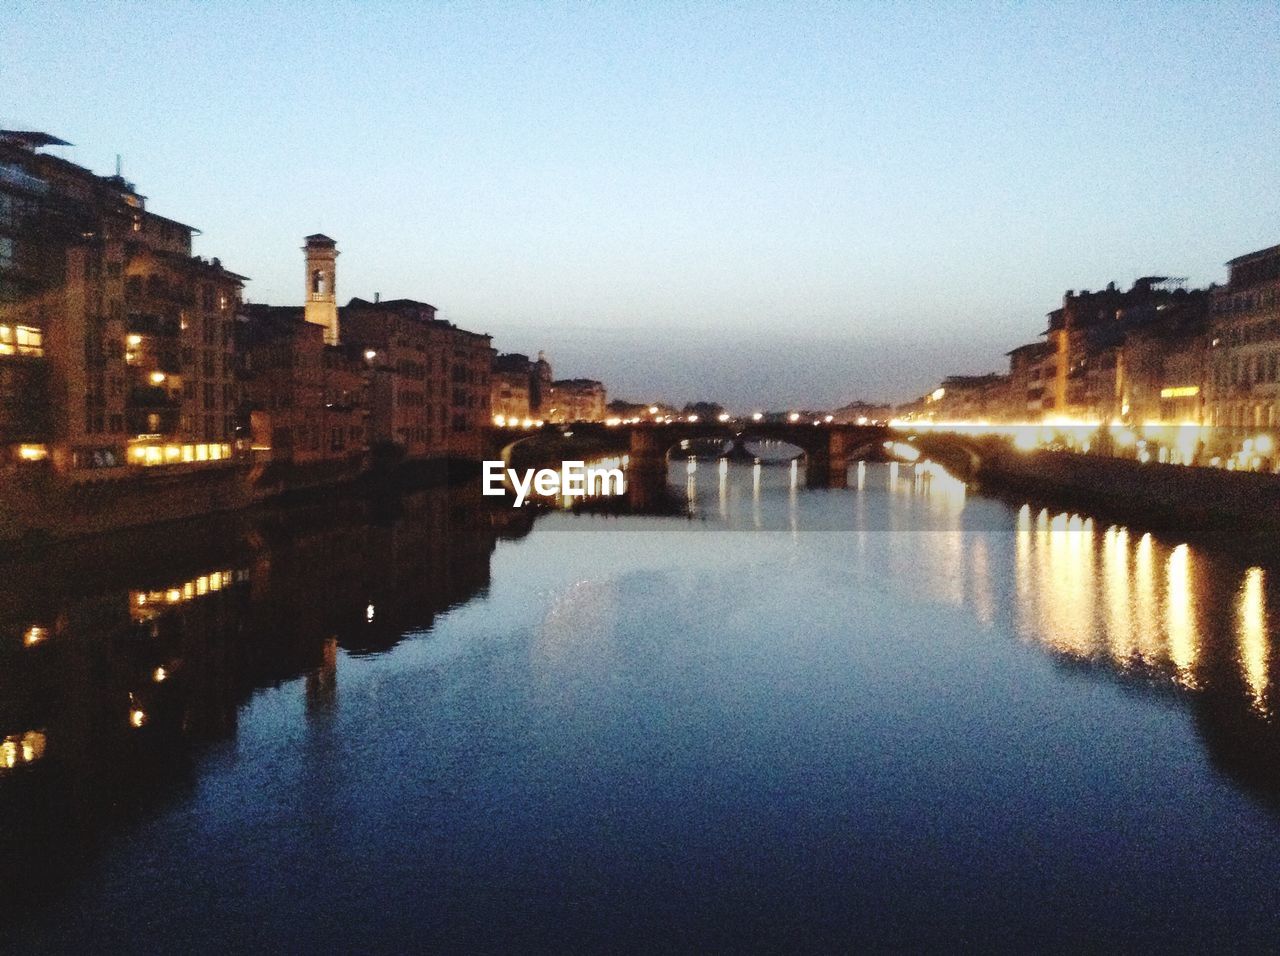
1105,596
1117,583
1181,614
144,605
1066,575
1254,649
1144,590
19,749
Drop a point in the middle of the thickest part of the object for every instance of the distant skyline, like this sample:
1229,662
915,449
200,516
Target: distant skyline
764,204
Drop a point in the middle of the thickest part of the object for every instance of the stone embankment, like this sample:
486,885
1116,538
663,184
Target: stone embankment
1239,511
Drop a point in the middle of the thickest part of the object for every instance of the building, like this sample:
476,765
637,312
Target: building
1243,377
321,306
303,399
1086,334
862,413
964,398
512,385
325,383
1161,366
1031,371
429,388
540,387
116,343
576,400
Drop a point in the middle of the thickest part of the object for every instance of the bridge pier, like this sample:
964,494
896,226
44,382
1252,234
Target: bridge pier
646,469
827,461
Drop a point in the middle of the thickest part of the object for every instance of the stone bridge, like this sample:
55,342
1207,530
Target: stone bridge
828,447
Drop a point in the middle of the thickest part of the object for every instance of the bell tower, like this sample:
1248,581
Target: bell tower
322,297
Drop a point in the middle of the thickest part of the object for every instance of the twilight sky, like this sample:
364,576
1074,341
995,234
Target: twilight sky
770,205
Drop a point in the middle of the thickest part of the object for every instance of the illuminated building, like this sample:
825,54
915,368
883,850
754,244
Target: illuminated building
1161,370
304,399
429,389
304,388
862,413
576,400
965,398
1243,381
322,294
511,388
1087,334
1031,370
116,345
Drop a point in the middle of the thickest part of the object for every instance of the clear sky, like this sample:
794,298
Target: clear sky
768,204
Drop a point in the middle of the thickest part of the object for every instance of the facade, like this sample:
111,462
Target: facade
1243,377
303,399
1086,334
324,383
511,388
322,292
1161,367
965,398
429,391
576,400
116,343
1031,370
862,413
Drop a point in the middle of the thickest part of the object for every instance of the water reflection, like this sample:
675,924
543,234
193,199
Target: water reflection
1158,615
115,668
651,693
1254,647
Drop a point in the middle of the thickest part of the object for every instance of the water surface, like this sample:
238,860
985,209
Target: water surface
896,715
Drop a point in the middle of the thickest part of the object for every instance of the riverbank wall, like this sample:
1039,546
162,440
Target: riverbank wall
39,508
1239,511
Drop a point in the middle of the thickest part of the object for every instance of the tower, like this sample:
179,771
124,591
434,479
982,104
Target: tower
322,297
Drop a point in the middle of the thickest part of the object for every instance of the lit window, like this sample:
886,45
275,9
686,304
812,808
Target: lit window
21,340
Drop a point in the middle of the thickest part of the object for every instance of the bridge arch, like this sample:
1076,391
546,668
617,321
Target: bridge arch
828,447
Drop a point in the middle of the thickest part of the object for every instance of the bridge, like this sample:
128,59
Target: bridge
828,447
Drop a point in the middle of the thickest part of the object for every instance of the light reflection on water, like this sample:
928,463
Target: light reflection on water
1140,606
757,720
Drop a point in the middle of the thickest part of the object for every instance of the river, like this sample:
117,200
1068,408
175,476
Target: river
893,715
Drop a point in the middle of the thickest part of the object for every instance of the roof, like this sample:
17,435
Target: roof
31,138
320,238
1250,256
268,322
1031,348
511,362
392,304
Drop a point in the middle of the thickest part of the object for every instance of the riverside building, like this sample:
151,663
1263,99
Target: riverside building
1243,382
116,343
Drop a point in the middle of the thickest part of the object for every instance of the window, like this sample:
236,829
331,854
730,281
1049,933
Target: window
6,252
21,340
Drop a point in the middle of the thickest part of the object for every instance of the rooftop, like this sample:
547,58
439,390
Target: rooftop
1266,253
31,139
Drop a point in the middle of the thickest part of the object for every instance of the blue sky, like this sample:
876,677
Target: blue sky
767,204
